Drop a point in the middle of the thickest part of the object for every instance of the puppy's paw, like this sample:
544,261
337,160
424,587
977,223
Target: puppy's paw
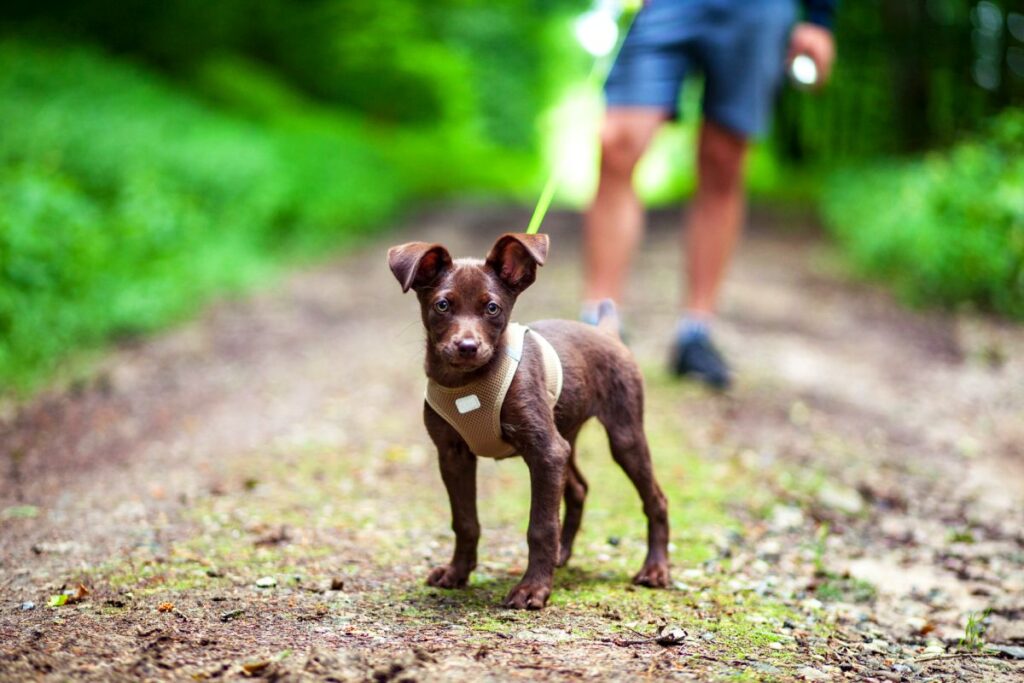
653,575
447,576
528,595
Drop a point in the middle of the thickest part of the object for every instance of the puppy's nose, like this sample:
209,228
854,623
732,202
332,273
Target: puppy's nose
468,348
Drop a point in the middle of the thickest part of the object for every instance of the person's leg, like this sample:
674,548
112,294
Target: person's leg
715,217
614,222
743,59
713,227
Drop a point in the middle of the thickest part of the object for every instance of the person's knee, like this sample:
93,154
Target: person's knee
720,162
622,146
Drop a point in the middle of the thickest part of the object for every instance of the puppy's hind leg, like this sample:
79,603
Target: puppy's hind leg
575,494
629,449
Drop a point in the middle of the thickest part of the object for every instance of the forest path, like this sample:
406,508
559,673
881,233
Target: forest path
253,493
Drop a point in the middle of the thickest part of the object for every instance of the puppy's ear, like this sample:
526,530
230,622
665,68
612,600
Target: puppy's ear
515,257
418,264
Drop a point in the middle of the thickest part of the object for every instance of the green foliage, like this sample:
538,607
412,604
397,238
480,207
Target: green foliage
974,631
277,129
910,76
464,63
126,204
946,230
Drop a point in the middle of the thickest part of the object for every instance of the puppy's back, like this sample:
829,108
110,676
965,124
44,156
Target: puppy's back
597,367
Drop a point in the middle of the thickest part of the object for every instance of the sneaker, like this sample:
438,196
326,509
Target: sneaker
697,357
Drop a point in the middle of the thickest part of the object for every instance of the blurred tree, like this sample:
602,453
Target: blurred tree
466,63
911,75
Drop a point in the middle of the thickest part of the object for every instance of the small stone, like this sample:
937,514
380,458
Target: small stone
917,624
811,604
879,646
766,668
769,549
1005,631
266,582
671,635
708,636
934,650
543,635
787,517
337,584
614,540
28,606
809,673
1012,651
841,498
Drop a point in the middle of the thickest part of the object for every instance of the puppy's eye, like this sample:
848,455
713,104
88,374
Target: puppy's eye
442,306
492,308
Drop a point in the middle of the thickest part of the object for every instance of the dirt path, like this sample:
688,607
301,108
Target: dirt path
253,494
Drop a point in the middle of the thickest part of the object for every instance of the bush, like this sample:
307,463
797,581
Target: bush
126,204
947,230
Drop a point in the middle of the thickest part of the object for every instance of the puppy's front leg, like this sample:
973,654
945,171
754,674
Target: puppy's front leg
547,464
458,470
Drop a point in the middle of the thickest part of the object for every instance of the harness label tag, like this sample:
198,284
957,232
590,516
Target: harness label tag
467,404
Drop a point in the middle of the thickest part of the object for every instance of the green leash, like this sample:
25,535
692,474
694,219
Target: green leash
598,73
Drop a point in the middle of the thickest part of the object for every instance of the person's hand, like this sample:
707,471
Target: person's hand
817,43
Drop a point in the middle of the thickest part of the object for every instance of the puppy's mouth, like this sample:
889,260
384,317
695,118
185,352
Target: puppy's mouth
460,363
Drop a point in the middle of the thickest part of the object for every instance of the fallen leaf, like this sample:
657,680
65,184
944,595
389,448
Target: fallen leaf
69,597
251,668
80,593
165,607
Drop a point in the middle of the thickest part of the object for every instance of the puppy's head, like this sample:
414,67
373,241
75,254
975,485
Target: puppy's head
466,303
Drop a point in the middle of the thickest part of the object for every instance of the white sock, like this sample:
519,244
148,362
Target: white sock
693,324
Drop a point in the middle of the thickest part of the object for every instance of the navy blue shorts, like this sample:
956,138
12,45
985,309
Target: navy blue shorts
739,45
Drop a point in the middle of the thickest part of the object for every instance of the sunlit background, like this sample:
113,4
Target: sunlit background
153,155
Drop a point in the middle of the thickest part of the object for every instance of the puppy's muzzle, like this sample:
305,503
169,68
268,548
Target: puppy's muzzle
467,348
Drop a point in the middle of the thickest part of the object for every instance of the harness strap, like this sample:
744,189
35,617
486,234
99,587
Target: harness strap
474,410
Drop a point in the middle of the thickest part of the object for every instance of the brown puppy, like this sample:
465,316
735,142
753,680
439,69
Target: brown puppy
466,307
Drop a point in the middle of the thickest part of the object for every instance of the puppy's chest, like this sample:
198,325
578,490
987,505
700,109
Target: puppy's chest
474,410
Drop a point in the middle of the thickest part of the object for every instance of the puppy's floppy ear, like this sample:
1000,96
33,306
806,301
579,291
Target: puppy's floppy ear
515,257
418,264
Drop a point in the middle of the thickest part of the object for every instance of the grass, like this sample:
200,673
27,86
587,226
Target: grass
974,632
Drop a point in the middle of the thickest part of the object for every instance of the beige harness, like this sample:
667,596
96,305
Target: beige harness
475,409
